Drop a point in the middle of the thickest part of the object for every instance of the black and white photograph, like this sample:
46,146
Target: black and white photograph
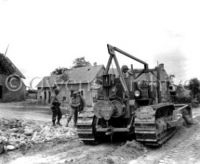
99,82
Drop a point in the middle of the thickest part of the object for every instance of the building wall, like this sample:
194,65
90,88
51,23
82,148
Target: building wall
44,95
2,77
64,96
89,90
9,96
89,93
84,88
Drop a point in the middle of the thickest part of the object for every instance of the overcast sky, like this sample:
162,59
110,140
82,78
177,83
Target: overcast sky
45,34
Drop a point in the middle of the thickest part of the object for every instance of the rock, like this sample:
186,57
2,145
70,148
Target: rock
28,132
5,122
10,147
38,129
34,136
3,139
131,149
18,123
23,134
20,130
110,161
69,134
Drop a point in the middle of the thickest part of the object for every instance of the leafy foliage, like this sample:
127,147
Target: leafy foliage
182,95
59,71
171,77
64,77
95,64
194,86
183,99
81,62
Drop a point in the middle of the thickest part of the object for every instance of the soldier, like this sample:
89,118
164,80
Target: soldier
126,71
55,107
77,105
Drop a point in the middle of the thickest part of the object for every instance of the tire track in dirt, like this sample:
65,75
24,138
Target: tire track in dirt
182,148
187,150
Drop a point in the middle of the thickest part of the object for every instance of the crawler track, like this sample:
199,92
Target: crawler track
154,139
85,128
154,125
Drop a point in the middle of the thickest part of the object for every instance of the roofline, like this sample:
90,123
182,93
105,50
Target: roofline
73,82
102,66
76,82
17,71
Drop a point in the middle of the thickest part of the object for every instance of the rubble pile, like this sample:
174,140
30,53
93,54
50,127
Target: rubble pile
15,134
131,149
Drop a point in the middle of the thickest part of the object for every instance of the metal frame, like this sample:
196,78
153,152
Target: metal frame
111,51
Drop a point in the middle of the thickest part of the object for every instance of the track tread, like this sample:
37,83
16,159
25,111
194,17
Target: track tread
150,133
85,128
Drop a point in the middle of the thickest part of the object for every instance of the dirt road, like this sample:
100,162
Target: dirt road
24,112
183,148
28,112
73,151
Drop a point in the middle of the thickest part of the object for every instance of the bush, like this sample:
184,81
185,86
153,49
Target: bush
183,99
198,97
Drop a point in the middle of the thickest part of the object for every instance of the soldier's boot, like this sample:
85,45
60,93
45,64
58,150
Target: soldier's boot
75,125
68,120
54,123
58,123
67,124
75,118
75,122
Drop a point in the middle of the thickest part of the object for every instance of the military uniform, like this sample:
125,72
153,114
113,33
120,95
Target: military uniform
56,112
77,105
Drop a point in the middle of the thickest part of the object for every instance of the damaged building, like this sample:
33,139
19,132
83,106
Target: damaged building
12,87
83,79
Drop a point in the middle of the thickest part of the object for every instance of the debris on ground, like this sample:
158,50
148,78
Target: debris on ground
21,134
130,150
1,148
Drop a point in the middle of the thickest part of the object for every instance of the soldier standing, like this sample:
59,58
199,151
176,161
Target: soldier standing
55,107
77,105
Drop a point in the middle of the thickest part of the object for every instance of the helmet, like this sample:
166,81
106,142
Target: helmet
124,68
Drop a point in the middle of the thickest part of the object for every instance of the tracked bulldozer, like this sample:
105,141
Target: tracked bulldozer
135,102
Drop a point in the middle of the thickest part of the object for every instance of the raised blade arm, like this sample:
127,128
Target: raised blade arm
113,56
112,50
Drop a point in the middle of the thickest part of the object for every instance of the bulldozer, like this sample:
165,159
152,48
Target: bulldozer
135,102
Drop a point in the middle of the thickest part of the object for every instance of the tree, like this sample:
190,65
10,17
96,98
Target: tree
95,64
171,78
64,77
194,85
81,62
59,71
